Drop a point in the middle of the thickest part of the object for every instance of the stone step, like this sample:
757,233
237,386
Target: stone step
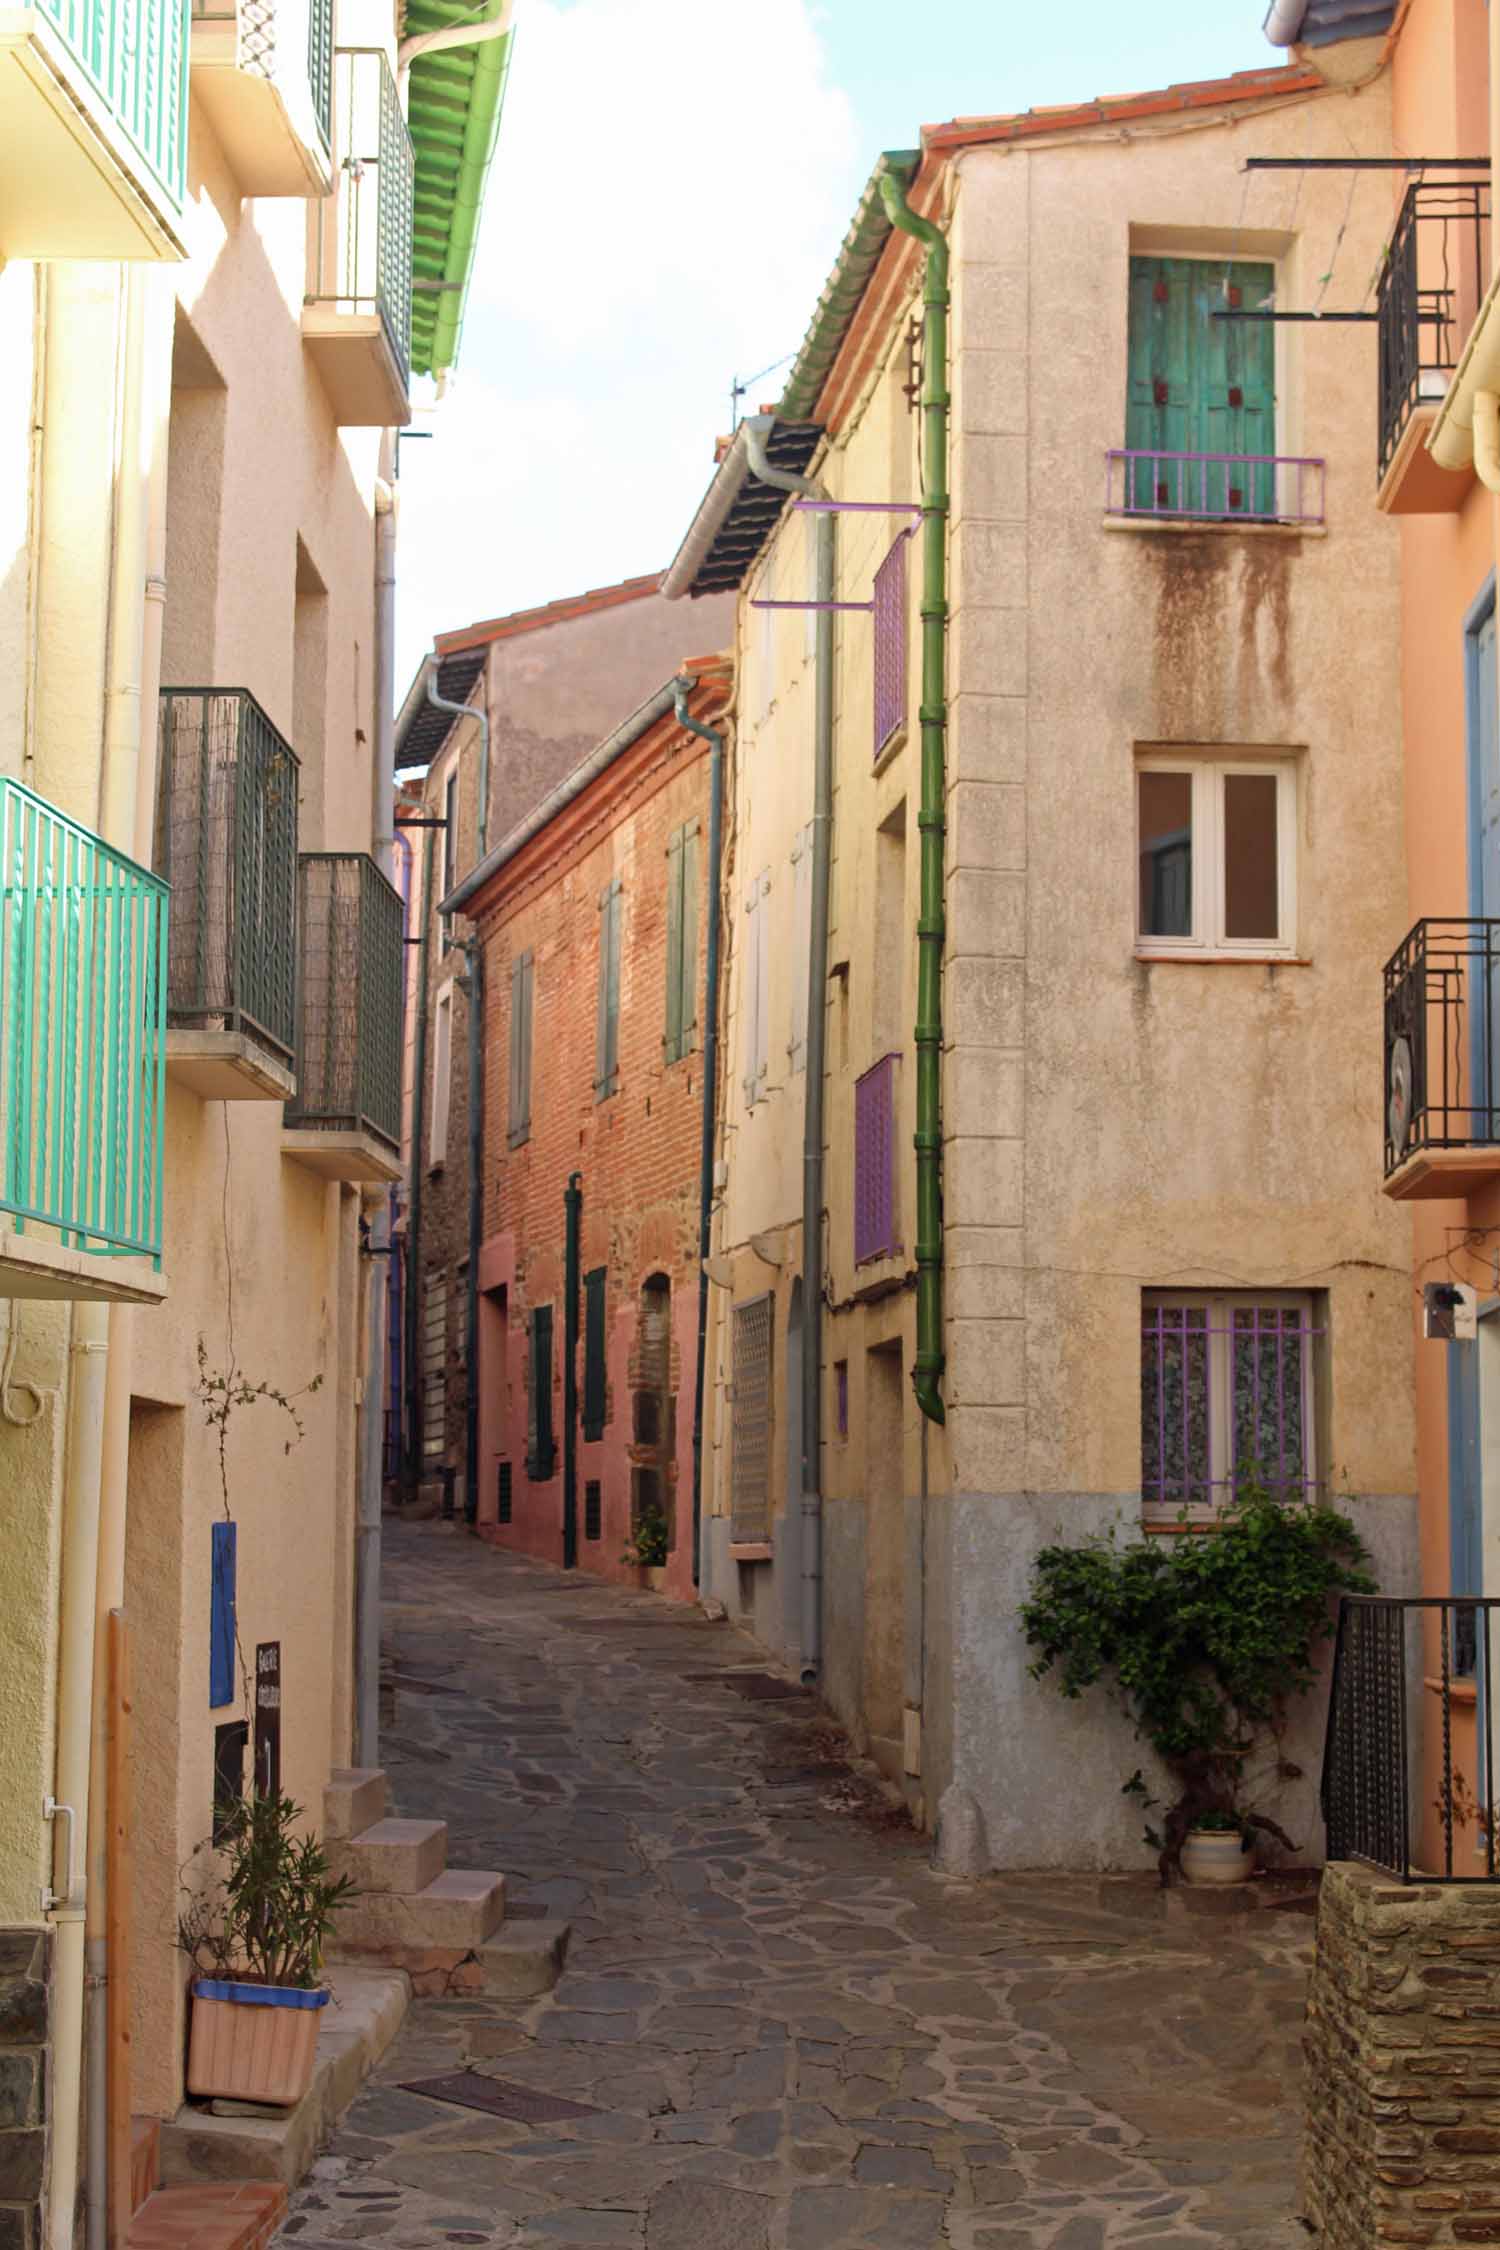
145,2158
460,1908
355,1798
392,1855
524,1960
230,2215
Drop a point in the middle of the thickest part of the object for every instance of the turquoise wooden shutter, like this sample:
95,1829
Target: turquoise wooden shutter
672,1043
607,1035
594,1392
690,938
1197,385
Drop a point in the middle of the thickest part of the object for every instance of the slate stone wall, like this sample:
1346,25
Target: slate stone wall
25,1972
1403,2064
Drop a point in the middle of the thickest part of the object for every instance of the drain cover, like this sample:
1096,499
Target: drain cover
756,1687
499,2097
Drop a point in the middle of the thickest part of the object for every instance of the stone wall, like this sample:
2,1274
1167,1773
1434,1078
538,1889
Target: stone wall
1403,2064
25,1964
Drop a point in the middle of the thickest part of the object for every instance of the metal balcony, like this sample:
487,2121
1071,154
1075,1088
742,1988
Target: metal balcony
345,1120
1432,283
93,128
1279,488
1442,1059
356,317
83,983
263,72
226,841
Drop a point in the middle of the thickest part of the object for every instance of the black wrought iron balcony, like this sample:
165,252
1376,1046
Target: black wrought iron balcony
226,841
346,1118
1442,1058
1431,285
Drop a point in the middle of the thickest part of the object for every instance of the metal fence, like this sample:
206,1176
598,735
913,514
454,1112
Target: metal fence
1215,487
1431,284
364,231
83,980
1387,1648
1442,1059
226,841
349,971
136,54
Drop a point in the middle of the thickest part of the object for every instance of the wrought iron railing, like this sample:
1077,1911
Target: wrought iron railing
364,231
1413,1806
1431,284
349,974
1442,1038
1215,487
226,841
83,982
135,53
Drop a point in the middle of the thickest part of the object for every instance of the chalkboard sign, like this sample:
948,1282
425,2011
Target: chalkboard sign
268,1719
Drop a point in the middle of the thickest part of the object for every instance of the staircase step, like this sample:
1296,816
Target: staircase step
392,1855
461,1908
355,1798
145,2158
232,2215
524,1960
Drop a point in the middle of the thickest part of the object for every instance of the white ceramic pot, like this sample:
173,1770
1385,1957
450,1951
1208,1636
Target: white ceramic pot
1218,1856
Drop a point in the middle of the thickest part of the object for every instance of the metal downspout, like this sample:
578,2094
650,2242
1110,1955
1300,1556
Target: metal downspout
714,737
573,1208
472,984
756,430
932,817
411,1305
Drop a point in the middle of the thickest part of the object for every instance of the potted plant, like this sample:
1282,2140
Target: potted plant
1218,1849
255,1936
646,1548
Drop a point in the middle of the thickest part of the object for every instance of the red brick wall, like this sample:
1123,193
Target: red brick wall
637,1153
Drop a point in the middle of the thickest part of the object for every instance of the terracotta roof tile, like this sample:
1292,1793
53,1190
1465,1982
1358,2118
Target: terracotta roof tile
1118,109
550,613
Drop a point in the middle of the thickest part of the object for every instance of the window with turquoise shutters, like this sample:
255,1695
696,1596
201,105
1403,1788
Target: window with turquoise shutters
607,1029
1200,387
682,943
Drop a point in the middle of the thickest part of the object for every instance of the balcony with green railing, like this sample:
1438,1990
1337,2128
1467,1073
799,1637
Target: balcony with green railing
93,128
83,986
226,841
345,1121
263,71
356,316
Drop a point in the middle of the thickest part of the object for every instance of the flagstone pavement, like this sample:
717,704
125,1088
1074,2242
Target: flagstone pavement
777,2028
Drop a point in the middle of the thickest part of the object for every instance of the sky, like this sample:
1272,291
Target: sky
671,186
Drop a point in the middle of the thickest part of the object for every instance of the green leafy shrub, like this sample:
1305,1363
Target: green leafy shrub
647,1545
1205,1640
267,1915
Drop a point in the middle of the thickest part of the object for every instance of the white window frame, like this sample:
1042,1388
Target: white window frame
1208,771
442,1076
1220,1306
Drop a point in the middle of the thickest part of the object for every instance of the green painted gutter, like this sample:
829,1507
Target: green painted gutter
932,817
862,245
454,100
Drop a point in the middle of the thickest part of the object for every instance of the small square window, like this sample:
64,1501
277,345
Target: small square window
1216,855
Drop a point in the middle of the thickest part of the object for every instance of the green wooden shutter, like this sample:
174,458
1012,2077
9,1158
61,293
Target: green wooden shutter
593,1354
520,1049
607,1033
688,941
541,1454
1198,385
673,1041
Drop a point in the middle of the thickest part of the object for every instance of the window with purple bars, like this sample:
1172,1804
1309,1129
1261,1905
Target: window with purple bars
875,1161
1226,1400
890,645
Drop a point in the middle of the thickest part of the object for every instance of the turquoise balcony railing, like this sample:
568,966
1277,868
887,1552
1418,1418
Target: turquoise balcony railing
135,54
83,994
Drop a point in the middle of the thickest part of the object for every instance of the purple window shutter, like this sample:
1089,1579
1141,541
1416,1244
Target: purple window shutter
890,644
874,1161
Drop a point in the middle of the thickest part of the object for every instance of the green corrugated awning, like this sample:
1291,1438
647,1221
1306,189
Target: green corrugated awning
454,98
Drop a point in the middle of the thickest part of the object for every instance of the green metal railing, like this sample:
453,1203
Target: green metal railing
83,985
320,64
260,25
226,841
135,53
364,231
349,979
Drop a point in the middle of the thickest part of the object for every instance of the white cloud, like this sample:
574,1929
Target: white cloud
672,182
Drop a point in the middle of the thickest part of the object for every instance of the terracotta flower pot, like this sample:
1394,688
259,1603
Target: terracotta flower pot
253,2042
1217,1856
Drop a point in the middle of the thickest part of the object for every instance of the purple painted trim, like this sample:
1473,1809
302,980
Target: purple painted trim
859,507
260,1995
812,605
1202,487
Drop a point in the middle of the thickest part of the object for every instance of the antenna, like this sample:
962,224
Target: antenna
740,388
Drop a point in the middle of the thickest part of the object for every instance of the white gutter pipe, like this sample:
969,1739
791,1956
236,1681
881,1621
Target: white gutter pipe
477,34
1284,19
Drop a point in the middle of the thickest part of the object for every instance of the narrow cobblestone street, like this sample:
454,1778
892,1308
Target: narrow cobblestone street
777,2028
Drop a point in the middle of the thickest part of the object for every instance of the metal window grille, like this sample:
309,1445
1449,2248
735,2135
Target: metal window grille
505,1493
593,1508
751,1430
83,991
1215,487
595,1396
1226,1403
226,841
1431,283
1443,1828
1442,1038
349,997
364,232
889,639
875,1161
136,53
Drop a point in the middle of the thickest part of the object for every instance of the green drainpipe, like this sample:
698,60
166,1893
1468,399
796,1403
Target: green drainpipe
932,818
